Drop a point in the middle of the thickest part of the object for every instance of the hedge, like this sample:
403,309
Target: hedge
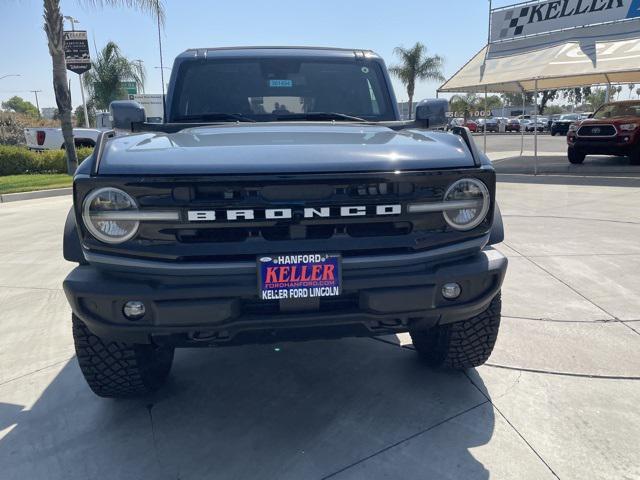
19,160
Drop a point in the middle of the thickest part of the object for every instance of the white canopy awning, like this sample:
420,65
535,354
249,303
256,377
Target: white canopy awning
497,68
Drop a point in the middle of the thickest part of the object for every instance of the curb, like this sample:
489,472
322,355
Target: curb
55,192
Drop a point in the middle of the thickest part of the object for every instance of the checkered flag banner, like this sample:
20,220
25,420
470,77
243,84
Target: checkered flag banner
546,16
516,23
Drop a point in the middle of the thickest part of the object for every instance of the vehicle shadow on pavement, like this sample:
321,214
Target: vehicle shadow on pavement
353,408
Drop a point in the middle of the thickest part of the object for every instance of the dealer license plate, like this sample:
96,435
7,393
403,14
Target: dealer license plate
294,276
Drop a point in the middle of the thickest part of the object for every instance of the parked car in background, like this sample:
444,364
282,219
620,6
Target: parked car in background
561,125
40,138
460,122
491,124
535,125
550,121
513,125
471,125
585,115
614,129
455,122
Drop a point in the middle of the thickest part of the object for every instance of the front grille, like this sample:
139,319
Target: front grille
597,131
228,240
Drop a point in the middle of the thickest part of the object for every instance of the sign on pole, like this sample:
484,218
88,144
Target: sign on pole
76,51
538,17
131,88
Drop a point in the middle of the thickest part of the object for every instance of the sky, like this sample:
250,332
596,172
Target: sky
455,29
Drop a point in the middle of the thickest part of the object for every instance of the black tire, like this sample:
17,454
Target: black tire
634,157
575,156
461,345
119,370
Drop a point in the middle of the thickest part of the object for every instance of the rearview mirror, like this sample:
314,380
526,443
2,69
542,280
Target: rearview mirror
126,112
432,112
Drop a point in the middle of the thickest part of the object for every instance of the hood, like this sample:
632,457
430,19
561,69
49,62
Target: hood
609,121
282,148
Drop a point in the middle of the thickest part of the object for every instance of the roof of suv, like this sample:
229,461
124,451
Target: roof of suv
276,51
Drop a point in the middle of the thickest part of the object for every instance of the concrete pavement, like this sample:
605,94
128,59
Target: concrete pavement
558,399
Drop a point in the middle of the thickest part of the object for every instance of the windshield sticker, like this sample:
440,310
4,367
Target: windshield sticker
281,83
364,70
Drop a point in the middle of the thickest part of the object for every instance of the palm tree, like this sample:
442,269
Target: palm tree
416,65
464,103
638,92
108,71
53,26
631,87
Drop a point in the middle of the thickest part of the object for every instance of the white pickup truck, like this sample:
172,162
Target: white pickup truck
41,138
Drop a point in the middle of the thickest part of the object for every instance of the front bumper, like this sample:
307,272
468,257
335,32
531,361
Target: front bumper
620,144
224,309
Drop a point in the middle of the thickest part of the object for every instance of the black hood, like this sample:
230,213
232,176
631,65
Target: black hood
283,148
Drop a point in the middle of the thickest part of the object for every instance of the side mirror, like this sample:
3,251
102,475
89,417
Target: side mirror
126,112
432,112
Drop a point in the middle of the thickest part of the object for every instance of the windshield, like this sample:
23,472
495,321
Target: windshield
627,109
570,117
271,89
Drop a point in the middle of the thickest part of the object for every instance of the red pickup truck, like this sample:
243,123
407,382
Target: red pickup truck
614,129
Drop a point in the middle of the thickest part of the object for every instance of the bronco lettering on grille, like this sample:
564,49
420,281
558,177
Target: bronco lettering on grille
288,213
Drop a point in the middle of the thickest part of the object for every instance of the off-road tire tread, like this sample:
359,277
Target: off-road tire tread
461,345
117,369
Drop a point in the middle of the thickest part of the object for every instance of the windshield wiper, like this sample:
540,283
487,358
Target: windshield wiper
322,116
215,116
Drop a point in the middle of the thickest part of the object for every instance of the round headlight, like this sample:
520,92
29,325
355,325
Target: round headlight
105,212
466,204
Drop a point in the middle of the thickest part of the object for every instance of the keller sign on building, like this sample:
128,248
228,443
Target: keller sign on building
541,17
76,51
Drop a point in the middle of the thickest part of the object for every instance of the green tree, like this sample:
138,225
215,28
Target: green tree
53,27
515,99
108,72
547,96
631,87
79,114
596,98
617,90
554,110
493,102
20,105
576,95
464,104
416,65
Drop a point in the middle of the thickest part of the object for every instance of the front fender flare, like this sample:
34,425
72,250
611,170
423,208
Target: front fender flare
71,246
497,228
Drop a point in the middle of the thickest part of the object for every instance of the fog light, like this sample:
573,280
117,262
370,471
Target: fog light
134,310
451,291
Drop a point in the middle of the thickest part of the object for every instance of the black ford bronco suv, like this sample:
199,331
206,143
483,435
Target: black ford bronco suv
282,199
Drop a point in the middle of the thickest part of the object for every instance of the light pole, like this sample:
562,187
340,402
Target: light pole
35,92
10,75
139,62
162,69
157,3
73,21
